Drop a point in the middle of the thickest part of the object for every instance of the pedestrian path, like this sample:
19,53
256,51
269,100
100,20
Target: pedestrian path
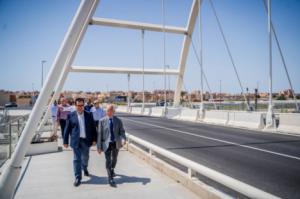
51,176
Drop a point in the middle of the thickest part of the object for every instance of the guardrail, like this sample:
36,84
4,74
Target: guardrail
285,122
10,133
193,167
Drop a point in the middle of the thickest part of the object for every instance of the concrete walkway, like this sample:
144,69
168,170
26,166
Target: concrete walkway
51,176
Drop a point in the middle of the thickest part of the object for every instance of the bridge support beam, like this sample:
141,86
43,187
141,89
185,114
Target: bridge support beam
185,50
75,32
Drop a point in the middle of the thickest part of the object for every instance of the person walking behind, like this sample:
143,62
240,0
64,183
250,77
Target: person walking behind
88,105
54,109
62,113
81,128
111,137
98,112
72,105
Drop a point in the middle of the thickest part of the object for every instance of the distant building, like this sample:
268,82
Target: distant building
24,99
4,97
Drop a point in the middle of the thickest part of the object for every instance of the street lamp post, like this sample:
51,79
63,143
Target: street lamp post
43,61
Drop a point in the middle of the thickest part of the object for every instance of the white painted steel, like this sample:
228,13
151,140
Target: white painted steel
185,50
270,121
122,70
77,28
227,181
128,90
136,25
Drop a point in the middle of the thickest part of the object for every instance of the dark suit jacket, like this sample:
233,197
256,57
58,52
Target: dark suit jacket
72,129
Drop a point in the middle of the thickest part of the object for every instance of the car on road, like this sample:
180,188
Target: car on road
11,104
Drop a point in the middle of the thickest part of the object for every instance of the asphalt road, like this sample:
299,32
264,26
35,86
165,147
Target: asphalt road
268,161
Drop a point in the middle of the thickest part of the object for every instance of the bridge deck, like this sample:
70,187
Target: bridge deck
268,161
51,176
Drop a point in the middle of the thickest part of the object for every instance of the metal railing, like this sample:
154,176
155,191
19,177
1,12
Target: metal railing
9,135
193,167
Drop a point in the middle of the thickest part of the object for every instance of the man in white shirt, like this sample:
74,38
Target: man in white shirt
81,128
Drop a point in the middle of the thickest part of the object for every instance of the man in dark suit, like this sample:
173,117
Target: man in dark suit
81,128
111,137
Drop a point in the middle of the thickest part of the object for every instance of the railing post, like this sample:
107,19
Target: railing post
191,173
150,152
10,140
18,125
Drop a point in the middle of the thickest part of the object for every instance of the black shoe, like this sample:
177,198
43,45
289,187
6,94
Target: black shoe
86,173
113,174
77,182
112,183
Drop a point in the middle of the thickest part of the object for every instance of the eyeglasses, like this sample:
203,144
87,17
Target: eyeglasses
79,105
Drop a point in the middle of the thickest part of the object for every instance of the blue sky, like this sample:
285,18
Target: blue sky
32,30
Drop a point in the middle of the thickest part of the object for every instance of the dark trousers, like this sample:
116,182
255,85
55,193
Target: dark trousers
96,124
111,156
81,158
62,124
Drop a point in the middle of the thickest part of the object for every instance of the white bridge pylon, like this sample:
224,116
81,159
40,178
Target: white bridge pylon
62,66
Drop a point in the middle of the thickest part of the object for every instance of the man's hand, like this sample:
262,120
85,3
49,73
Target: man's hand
66,145
94,143
99,151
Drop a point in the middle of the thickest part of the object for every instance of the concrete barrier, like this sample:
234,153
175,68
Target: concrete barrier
173,113
157,111
18,112
147,111
216,117
289,122
136,110
242,189
122,109
42,148
189,114
251,120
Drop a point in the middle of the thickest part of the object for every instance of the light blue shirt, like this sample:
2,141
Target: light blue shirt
54,110
98,113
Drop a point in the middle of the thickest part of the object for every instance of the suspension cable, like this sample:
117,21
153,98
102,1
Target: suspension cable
229,53
204,75
282,58
189,100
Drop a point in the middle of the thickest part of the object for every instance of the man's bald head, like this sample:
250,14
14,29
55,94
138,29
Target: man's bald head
110,110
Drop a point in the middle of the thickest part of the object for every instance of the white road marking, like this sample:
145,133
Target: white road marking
218,140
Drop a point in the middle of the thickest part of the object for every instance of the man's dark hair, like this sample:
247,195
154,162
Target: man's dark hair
79,99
